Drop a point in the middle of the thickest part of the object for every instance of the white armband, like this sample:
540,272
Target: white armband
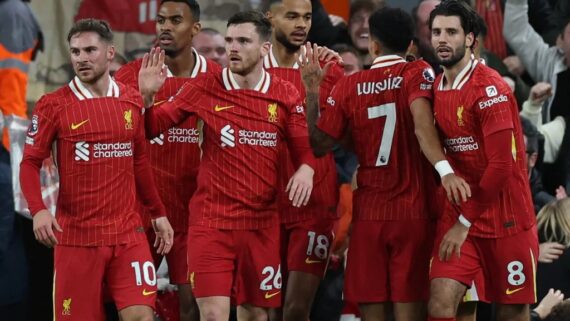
443,168
464,221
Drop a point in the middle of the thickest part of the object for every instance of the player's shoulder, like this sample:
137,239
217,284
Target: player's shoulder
212,66
487,81
129,94
55,100
420,67
129,70
279,82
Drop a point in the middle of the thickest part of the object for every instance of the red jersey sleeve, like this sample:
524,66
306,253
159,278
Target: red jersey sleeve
144,180
172,112
493,107
419,81
298,133
41,135
332,77
333,120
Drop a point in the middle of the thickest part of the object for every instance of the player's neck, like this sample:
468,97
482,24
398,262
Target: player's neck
284,56
250,80
100,87
182,64
452,72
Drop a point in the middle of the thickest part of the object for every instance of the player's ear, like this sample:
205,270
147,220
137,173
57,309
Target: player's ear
374,47
265,47
196,27
469,40
110,52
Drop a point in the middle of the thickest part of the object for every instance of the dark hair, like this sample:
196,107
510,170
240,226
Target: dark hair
382,24
458,8
101,27
482,26
366,5
258,19
532,135
343,47
560,312
193,4
563,26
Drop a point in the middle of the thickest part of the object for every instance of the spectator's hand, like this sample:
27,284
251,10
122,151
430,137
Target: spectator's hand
456,188
514,65
561,193
300,185
311,70
550,251
43,224
336,20
551,299
452,241
164,235
152,75
539,93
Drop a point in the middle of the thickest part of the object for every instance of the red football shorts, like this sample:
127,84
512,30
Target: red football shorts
176,258
388,261
305,246
241,264
126,270
509,264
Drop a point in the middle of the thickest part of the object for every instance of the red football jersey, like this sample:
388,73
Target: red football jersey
242,130
375,106
324,197
98,145
174,154
479,104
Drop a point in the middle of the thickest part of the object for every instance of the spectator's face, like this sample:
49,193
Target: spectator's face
244,47
175,27
449,40
566,43
351,63
422,28
358,29
211,46
291,22
90,56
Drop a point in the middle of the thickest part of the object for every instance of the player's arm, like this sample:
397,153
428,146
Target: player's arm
457,189
148,193
128,76
313,76
41,135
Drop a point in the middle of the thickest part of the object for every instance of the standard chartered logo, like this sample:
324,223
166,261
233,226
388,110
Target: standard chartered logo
84,151
81,151
228,138
247,137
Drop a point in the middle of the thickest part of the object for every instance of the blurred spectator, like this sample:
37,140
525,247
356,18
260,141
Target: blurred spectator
358,31
423,33
561,311
20,40
543,63
492,13
211,44
350,58
553,223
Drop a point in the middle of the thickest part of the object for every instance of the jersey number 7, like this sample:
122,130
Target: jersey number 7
388,111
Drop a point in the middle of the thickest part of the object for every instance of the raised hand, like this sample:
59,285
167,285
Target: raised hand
152,75
311,70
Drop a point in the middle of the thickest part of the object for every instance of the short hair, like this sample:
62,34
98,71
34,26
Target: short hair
367,5
467,15
100,27
193,4
482,26
258,19
382,24
343,48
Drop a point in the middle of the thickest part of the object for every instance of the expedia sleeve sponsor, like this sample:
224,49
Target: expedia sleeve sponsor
490,102
461,144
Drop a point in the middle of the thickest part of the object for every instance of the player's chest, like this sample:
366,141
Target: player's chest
102,120
454,115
